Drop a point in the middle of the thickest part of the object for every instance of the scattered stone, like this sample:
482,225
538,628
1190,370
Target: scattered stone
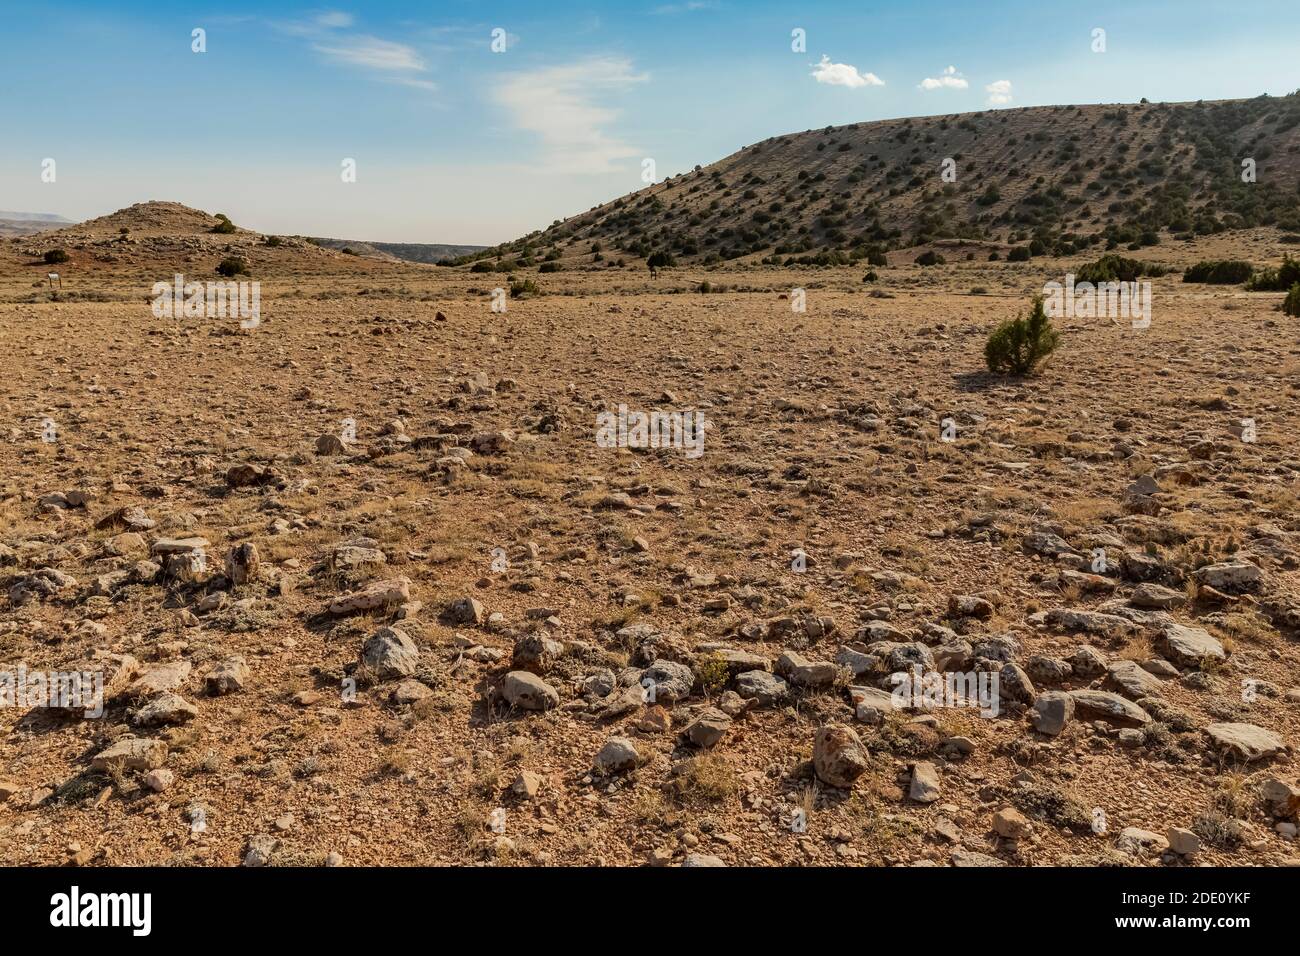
377,594
617,756
229,676
839,757
872,705
466,611
708,728
805,673
159,780
134,753
1245,741
1189,646
1230,576
1183,842
1157,597
764,688
166,708
925,783
527,691
1011,824
1109,707
1053,711
1133,681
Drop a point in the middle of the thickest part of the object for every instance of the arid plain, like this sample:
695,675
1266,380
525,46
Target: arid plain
433,621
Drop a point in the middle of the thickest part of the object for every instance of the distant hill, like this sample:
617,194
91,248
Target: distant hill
1061,177
26,223
430,253
155,238
34,216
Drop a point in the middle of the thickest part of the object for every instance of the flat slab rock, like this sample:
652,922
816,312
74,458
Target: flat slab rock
1246,741
1112,708
1132,681
1189,646
375,595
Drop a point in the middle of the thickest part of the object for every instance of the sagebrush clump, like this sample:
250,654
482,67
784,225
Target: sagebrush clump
1276,280
232,266
1291,304
1017,346
1220,272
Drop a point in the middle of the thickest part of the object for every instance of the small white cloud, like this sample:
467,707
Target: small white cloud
669,9
949,79
559,104
372,53
842,74
999,92
334,18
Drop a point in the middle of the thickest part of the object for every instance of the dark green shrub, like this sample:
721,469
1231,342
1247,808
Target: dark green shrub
481,267
1291,305
870,276
1017,346
521,288
930,258
659,260
225,226
1018,254
1114,268
1276,280
549,267
1219,272
877,259
232,266
274,241
55,256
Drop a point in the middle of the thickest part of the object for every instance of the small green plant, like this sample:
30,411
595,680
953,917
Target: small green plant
930,258
274,241
550,267
55,256
232,266
711,672
224,225
1018,254
521,288
1017,346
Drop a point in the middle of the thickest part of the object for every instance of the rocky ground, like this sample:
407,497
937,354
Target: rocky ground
434,643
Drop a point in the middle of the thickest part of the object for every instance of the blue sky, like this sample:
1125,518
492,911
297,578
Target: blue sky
456,143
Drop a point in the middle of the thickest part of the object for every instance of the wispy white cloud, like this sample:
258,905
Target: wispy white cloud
691,6
948,79
999,92
372,53
842,74
560,104
334,19
330,35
